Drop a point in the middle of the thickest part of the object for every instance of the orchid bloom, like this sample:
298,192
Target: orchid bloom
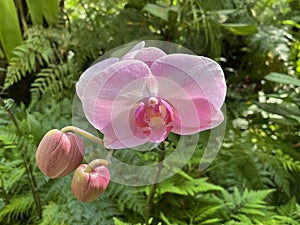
147,94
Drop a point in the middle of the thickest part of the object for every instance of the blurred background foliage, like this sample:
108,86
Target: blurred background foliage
46,45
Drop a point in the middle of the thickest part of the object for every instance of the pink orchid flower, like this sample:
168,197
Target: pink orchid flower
147,94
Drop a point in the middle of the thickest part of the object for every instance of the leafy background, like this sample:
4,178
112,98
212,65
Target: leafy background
46,45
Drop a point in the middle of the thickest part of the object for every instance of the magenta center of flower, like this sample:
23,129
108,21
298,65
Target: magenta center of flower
154,116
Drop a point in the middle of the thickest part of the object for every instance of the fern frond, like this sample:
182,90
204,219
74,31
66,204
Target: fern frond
280,177
288,163
52,214
245,205
127,197
187,187
18,207
11,172
120,222
52,81
33,53
289,213
105,209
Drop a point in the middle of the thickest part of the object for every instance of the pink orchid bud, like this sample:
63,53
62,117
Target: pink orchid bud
59,154
89,183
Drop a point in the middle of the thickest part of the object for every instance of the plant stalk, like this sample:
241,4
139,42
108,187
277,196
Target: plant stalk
83,133
28,168
4,191
99,162
150,198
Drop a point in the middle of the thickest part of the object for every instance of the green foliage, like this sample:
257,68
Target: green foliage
10,31
52,81
33,53
282,79
288,213
17,209
246,207
254,178
39,10
186,187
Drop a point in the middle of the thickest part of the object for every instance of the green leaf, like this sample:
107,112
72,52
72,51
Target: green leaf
119,222
288,110
35,11
50,11
282,79
157,10
18,207
187,187
10,31
241,28
292,23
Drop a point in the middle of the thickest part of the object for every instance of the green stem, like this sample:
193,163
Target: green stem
83,133
109,155
4,191
149,201
28,168
11,115
99,162
95,163
22,15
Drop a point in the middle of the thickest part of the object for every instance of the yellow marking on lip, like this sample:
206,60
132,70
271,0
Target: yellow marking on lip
157,122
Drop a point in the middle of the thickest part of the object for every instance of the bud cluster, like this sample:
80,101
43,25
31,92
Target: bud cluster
60,153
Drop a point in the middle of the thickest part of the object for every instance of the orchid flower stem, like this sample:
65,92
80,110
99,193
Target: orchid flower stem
83,133
110,155
95,163
99,162
149,201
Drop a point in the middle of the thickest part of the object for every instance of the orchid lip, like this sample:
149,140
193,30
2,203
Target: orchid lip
154,116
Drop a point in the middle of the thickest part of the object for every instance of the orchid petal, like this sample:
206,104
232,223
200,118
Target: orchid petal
149,55
109,98
91,72
199,76
186,119
207,117
195,87
132,52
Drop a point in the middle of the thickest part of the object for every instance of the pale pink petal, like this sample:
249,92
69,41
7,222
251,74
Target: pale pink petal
91,72
198,76
109,99
130,137
149,55
208,117
191,115
146,55
132,52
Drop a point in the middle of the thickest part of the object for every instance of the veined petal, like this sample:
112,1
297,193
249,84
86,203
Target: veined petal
198,76
132,52
146,55
109,98
208,117
91,72
113,142
149,55
191,115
